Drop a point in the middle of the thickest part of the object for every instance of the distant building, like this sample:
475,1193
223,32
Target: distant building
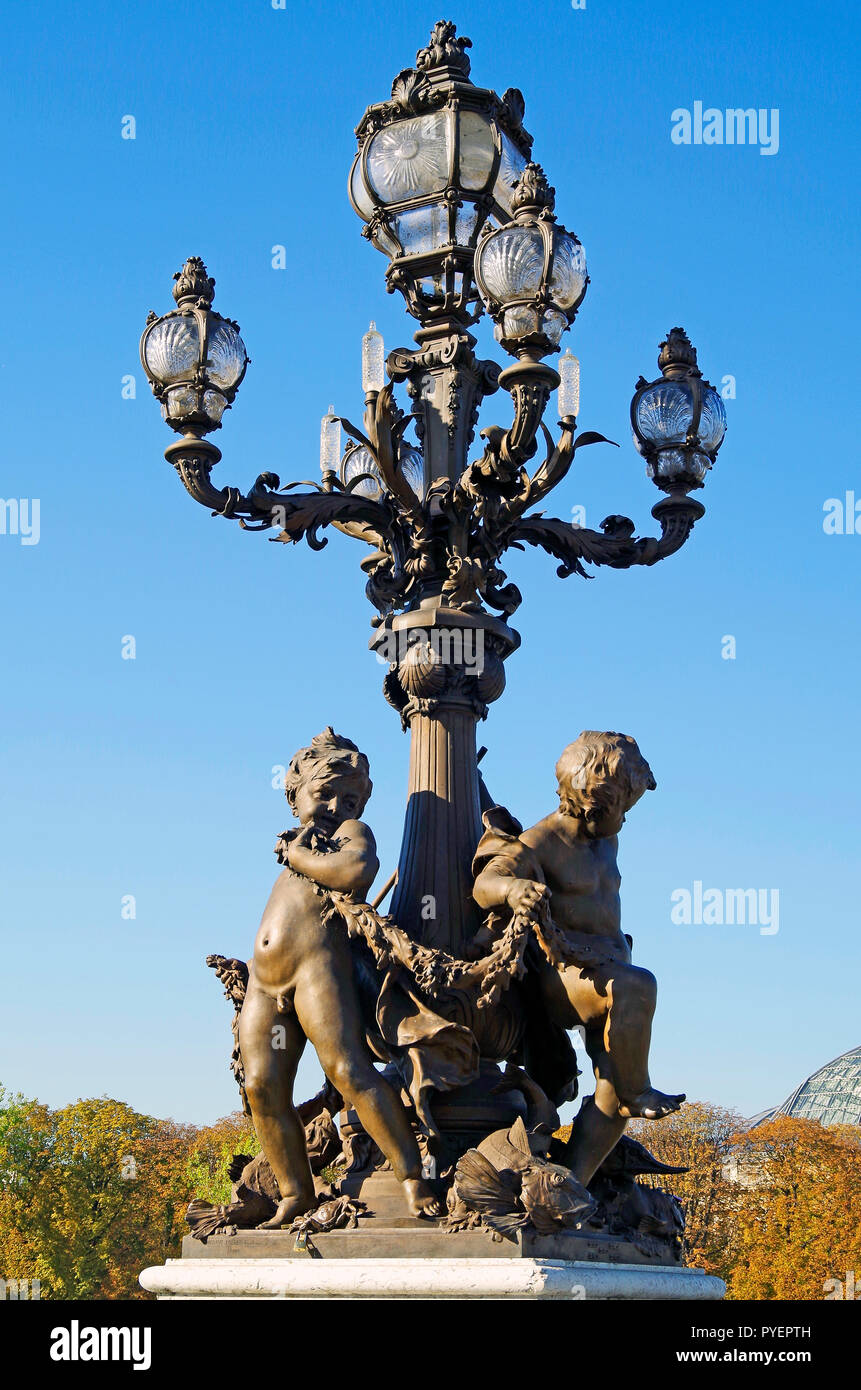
831,1095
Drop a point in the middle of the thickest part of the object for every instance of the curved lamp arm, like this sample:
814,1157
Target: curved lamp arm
615,545
298,514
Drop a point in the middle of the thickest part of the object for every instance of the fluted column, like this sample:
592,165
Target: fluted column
432,899
449,668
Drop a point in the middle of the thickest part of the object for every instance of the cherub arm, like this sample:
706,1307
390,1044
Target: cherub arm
351,868
498,885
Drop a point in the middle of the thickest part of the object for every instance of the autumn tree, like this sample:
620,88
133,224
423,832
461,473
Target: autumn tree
92,1193
209,1154
89,1194
697,1137
797,1222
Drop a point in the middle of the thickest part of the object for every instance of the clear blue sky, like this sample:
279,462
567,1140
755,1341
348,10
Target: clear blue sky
152,777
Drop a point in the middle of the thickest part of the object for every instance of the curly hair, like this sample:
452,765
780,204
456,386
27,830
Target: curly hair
600,757
327,754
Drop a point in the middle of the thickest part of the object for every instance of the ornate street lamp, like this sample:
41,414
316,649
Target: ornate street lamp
436,164
445,186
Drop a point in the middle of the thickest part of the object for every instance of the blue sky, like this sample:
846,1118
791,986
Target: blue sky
152,777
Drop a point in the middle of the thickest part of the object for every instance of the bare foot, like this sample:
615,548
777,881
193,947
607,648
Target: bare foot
420,1199
650,1105
288,1208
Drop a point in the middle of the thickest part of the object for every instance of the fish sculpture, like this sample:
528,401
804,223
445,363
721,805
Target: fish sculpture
505,1186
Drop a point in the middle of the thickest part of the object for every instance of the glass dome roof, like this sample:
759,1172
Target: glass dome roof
831,1095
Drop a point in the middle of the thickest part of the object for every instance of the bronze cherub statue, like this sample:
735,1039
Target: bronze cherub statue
301,983
563,874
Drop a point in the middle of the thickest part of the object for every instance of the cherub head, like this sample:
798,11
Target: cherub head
601,776
328,782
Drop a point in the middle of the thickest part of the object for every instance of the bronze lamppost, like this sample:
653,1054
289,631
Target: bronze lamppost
445,185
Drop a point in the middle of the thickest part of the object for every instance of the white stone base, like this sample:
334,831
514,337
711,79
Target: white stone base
426,1278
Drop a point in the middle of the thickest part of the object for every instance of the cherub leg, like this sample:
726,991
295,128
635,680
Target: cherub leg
328,1010
598,1126
616,1005
270,1071
632,996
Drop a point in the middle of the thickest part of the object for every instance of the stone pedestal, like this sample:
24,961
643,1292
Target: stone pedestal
461,1278
404,1258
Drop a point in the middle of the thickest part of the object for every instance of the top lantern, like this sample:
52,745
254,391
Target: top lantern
436,164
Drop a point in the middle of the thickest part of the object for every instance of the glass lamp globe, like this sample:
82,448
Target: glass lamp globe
531,273
194,359
360,472
412,465
434,165
678,421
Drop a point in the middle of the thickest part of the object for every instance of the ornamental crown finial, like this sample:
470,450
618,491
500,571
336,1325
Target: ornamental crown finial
532,191
444,49
193,283
677,350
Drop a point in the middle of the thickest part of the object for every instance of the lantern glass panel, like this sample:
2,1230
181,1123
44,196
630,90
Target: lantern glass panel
385,242
410,158
476,150
511,166
172,347
664,413
422,229
553,325
512,263
362,200
412,468
358,463
569,271
214,404
678,463
226,355
519,322
712,427
182,400
466,220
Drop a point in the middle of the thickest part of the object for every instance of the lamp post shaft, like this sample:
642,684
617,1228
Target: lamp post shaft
433,898
449,668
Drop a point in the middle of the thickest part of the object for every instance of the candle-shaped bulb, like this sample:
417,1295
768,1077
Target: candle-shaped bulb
373,360
330,442
568,395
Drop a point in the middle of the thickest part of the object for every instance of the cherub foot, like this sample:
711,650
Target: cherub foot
287,1210
420,1199
650,1105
